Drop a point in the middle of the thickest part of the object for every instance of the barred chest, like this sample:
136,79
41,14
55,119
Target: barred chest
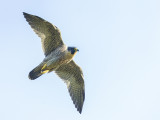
66,58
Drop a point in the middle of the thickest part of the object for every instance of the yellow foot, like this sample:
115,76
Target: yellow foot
44,71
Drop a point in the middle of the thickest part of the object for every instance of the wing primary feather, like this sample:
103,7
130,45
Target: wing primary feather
73,77
71,73
50,35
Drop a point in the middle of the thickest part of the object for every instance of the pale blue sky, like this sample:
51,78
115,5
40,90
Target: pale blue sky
119,43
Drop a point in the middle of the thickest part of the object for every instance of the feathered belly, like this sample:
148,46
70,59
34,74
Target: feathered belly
56,62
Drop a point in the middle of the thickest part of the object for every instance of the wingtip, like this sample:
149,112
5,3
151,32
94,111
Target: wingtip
78,105
24,13
79,110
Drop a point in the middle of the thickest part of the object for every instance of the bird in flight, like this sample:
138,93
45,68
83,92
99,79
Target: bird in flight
58,58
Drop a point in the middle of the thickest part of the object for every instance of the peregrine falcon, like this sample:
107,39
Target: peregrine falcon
58,58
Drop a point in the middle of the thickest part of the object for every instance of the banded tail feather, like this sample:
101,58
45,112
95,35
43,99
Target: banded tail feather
37,72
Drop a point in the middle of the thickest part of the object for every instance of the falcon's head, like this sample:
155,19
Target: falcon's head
73,50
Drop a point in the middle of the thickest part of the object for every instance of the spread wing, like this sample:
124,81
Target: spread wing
49,34
72,74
